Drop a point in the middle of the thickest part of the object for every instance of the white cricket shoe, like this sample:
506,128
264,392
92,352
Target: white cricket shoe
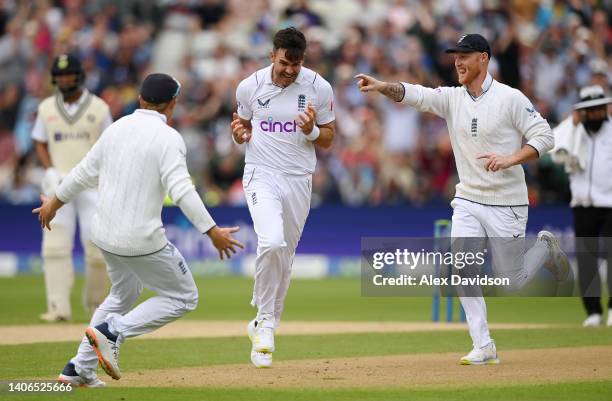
70,376
258,358
609,322
52,317
261,359
107,348
261,337
594,320
558,264
486,355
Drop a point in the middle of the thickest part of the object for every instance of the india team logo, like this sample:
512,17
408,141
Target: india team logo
301,102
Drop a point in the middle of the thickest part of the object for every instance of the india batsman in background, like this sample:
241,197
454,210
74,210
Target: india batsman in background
284,110
67,126
487,122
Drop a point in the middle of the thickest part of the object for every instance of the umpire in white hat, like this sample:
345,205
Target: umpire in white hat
583,143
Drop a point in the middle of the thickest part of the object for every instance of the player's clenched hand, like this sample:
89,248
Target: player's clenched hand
222,239
46,211
240,133
495,162
366,83
307,119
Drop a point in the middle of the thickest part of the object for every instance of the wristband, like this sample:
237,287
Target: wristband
314,134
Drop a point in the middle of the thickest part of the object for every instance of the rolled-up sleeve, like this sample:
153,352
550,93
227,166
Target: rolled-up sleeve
527,120
431,100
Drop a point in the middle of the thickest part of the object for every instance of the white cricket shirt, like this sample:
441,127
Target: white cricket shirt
495,122
39,132
592,185
277,141
137,160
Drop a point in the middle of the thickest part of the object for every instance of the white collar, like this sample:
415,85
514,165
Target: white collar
268,76
152,113
486,85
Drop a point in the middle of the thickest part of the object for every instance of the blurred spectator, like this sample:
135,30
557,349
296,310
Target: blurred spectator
382,155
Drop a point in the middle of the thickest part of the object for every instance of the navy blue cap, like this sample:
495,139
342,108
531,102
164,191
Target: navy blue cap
472,42
159,88
66,64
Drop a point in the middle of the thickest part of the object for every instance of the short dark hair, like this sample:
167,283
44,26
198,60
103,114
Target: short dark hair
293,41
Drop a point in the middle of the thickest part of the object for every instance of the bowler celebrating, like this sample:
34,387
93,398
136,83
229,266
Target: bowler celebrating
284,110
487,122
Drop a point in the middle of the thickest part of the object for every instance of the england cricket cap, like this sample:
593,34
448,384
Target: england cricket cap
472,42
159,88
592,96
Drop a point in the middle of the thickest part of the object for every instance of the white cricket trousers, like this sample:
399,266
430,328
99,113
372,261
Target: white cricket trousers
163,272
279,205
478,222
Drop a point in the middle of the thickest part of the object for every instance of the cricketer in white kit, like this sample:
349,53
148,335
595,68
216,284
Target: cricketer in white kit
284,110
487,122
67,126
137,161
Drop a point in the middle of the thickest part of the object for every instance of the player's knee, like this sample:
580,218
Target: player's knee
57,250
57,243
188,303
121,302
516,284
191,303
274,244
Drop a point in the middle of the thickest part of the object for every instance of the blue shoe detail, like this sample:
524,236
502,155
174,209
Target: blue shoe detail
69,370
103,328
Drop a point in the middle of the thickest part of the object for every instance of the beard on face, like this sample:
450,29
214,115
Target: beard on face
594,125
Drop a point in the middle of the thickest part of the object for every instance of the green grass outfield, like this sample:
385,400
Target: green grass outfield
228,298
22,299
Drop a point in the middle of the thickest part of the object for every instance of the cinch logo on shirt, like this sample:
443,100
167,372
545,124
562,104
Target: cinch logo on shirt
272,126
58,136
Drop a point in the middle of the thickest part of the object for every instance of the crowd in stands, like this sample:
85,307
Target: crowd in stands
383,154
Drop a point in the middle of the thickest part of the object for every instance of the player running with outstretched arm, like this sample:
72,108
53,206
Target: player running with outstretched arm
137,161
284,110
487,122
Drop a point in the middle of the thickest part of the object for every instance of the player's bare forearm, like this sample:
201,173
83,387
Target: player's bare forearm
526,153
393,90
495,162
42,151
325,139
